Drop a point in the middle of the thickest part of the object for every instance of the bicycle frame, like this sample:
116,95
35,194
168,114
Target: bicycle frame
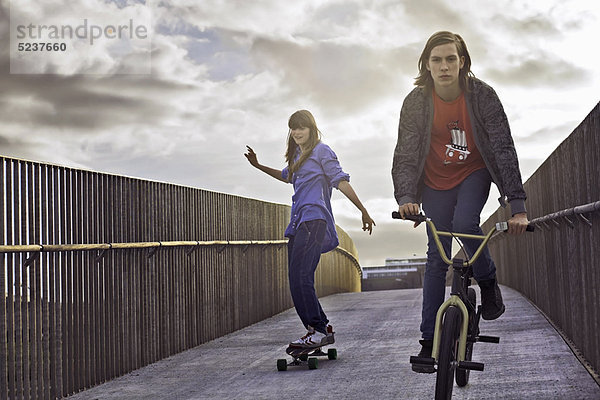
436,236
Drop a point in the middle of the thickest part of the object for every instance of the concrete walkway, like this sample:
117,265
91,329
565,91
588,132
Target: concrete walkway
376,332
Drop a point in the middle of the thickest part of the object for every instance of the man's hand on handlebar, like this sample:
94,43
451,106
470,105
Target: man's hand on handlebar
518,224
409,209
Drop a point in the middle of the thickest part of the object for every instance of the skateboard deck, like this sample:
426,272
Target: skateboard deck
305,355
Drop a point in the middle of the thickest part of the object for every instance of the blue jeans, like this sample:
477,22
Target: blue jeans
456,210
304,252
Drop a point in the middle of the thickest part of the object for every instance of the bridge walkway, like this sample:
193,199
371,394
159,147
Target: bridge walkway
376,332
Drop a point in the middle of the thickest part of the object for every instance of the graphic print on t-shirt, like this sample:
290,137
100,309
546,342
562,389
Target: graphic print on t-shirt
457,151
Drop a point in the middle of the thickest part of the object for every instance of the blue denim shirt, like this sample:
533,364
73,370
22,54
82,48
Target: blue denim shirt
313,184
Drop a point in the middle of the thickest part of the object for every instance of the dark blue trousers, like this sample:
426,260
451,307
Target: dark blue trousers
455,210
304,252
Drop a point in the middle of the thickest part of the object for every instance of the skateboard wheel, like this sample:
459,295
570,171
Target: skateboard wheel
313,363
332,354
303,357
281,365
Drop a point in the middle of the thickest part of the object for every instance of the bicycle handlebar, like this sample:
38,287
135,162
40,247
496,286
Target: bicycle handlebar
500,226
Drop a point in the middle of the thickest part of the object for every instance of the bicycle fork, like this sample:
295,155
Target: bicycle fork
454,300
460,284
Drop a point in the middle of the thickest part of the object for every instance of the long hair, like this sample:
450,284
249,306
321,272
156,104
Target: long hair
300,119
424,78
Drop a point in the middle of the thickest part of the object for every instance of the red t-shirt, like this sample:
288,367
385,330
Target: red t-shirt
453,154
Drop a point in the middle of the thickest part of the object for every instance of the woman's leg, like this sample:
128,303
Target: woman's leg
304,252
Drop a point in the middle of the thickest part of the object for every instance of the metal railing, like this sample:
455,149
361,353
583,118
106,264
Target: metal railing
558,266
91,295
563,216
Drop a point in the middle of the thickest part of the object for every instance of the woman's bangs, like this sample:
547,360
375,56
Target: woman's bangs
298,121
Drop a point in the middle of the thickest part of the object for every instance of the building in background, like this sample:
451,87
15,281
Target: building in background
395,274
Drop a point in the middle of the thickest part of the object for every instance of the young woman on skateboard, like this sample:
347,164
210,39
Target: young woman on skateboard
313,169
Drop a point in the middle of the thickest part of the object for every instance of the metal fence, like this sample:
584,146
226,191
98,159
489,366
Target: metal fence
558,266
73,317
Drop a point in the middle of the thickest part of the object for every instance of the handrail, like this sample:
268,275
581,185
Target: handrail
351,257
132,245
578,211
38,248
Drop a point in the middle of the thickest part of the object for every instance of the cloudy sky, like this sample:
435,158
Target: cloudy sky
223,74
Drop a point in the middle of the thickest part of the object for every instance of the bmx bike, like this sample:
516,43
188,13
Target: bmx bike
457,319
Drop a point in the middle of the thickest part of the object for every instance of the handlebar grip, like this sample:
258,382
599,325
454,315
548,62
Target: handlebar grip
415,218
503,226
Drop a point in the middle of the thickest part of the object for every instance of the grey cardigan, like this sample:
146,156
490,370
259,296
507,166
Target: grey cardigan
492,138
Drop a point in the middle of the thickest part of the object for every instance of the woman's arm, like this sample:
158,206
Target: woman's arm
346,188
253,160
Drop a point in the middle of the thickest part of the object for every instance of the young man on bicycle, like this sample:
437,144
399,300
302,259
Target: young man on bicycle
453,141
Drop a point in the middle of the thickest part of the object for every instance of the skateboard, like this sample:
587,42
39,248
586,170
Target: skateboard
302,355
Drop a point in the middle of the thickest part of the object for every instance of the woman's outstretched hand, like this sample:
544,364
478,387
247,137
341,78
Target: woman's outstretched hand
368,222
251,156
253,160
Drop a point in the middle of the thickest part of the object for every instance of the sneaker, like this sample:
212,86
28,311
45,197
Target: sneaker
426,347
300,342
492,305
314,338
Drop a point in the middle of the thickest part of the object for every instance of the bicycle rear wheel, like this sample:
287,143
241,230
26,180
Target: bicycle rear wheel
447,354
462,375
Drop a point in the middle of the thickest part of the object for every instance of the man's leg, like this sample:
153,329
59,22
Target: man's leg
473,193
439,206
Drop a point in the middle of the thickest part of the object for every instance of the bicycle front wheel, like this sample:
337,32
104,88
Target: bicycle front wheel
448,353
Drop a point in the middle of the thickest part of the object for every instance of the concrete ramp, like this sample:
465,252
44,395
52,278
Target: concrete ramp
376,332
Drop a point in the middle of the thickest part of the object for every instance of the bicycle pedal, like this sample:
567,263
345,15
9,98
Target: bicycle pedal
488,339
470,365
422,360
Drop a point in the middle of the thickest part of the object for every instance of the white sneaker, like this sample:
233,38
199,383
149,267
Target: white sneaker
300,342
311,339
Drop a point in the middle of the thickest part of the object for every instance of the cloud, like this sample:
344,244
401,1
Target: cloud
538,69
434,15
343,78
532,25
72,103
